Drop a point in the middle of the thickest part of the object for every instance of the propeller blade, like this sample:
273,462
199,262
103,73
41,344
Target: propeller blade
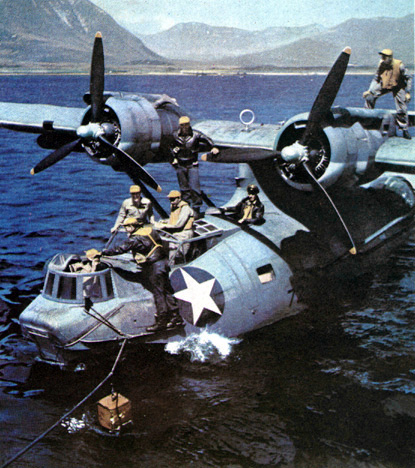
238,155
55,157
327,94
141,173
160,210
97,78
353,249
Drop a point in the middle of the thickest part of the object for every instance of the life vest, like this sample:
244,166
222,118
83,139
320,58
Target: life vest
390,75
175,214
147,232
247,212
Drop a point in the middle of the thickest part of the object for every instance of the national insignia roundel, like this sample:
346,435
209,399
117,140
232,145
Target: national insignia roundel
199,294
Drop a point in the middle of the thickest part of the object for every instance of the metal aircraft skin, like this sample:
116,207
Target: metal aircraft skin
329,212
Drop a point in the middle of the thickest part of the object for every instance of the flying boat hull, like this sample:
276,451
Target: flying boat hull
237,278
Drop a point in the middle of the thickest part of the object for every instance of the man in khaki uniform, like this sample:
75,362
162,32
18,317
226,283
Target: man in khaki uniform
180,223
391,77
148,252
90,265
135,207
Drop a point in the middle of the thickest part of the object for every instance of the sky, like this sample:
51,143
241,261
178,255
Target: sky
151,16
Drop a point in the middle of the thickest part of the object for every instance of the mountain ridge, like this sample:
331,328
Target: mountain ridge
57,35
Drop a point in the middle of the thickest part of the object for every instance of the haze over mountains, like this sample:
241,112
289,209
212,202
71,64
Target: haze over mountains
308,46
58,35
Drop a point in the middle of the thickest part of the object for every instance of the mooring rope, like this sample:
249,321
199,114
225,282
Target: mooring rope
28,447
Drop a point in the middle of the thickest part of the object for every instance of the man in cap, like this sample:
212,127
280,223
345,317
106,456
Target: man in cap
148,252
249,210
391,77
90,265
180,223
135,207
185,147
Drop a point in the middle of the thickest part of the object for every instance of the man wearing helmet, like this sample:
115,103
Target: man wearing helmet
249,210
185,147
391,77
135,207
148,252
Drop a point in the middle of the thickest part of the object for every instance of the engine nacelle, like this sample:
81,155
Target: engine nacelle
341,153
136,124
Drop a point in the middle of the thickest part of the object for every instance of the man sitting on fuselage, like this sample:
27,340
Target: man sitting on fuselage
249,210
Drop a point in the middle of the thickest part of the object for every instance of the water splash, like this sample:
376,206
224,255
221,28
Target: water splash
203,346
73,425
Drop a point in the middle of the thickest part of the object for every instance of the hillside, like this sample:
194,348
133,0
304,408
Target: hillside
365,37
62,32
201,42
57,35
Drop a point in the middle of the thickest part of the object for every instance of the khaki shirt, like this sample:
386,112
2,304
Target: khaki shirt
129,210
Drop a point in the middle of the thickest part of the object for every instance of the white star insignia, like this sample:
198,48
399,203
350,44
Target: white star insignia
198,295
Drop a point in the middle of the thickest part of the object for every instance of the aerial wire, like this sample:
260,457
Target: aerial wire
41,436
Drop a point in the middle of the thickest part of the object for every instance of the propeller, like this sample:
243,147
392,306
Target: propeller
56,156
96,130
298,154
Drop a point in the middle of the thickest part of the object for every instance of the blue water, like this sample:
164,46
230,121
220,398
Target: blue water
332,387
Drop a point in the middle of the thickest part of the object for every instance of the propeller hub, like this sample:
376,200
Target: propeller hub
90,132
295,153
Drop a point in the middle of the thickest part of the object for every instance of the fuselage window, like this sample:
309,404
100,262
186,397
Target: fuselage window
266,273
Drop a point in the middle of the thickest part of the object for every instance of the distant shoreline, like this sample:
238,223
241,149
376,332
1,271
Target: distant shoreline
177,73
146,69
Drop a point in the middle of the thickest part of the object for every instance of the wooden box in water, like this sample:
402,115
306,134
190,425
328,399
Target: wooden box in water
114,411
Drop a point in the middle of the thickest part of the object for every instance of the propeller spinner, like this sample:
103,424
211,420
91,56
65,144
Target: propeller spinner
97,131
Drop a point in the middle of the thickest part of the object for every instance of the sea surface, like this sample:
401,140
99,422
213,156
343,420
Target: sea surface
331,387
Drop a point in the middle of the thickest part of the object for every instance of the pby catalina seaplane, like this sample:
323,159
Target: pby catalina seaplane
330,212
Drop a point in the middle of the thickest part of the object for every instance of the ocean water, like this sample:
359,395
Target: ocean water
332,387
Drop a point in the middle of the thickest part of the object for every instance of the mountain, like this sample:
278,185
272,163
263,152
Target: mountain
365,37
58,35
198,41
62,32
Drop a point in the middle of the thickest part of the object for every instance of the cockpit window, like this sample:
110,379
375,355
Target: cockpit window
49,284
67,287
76,287
92,287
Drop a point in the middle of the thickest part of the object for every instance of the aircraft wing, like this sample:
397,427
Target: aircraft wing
38,118
238,142
397,155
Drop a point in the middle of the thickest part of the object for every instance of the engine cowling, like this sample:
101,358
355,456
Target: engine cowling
341,153
135,124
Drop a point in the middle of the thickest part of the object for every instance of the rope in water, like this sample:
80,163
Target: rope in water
28,447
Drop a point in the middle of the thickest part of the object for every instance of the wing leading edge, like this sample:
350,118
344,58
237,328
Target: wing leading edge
239,142
37,118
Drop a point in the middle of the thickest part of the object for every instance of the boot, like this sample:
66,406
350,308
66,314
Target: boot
175,321
406,135
161,324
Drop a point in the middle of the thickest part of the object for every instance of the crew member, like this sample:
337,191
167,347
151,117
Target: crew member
135,207
147,249
249,210
90,284
90,265
185,147
391,77
180,223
